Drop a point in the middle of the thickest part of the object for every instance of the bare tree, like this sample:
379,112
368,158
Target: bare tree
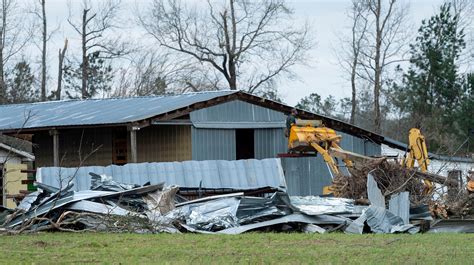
464,10
248,43
156,73
61,55
96,29
351,46
14,35
383,45
40,12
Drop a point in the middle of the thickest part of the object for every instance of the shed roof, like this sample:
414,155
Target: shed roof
95,111
140,111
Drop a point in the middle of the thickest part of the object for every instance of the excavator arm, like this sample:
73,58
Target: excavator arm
417,151
311,137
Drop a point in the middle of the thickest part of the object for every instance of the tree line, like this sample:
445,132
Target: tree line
398,79
399,84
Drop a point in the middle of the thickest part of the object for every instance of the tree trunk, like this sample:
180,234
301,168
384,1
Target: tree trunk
3,87
378,69
62,54
43,53
354,94
85,63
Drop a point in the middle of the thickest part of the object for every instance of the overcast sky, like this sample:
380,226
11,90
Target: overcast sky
328,18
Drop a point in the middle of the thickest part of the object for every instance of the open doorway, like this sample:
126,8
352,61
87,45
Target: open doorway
244,144
119,146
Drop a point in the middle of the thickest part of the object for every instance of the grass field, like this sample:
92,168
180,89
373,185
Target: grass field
50,248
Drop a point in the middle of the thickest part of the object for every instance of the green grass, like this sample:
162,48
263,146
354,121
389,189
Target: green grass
47,248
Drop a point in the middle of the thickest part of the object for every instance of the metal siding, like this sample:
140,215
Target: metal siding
216,174
237,114
372,149
269,143
213,144
306,175
97,111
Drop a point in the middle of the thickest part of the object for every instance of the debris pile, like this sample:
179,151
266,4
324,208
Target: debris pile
448,200
116,207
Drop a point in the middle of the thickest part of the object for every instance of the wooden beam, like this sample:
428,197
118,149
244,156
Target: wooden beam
133,145
354,157
55,135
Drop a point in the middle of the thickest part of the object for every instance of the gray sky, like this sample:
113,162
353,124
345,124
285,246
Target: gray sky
327,17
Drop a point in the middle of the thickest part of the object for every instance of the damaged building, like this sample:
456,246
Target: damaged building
220,125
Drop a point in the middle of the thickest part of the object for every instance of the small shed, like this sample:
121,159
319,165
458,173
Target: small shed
15,155
218,125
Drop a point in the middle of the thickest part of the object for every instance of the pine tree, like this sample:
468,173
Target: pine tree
432,86
99,77
20,84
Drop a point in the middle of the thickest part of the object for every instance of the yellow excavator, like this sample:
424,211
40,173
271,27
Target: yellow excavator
417,151
310,136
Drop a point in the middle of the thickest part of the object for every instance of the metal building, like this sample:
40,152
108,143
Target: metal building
221,125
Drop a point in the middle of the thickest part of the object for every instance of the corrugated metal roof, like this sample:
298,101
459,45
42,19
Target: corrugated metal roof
214,174
97,111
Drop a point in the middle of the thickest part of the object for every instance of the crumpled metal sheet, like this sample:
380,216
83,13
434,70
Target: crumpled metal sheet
160,202
106,183
375,195
357,226
292,218
382,221
95,207
315,205
29,200
399,204
208,216
251,209
65,197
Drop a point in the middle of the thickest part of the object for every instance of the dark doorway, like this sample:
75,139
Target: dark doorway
119,146
244,144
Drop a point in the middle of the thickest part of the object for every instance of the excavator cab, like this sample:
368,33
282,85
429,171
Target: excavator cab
311,137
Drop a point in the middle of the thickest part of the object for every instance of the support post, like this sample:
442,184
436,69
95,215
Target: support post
133,144
55,135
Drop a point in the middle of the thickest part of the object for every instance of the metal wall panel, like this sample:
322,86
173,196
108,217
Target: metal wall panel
269,143
213,144
305,175
216,174
237,114
372,149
